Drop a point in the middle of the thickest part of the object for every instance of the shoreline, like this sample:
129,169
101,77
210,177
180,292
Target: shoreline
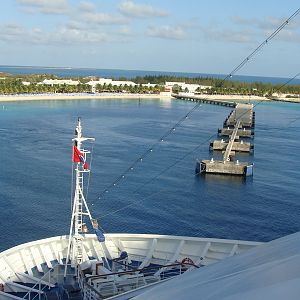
166,97
81,96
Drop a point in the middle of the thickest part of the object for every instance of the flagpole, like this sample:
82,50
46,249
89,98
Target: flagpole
79,208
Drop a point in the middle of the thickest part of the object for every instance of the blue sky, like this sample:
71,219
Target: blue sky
168,35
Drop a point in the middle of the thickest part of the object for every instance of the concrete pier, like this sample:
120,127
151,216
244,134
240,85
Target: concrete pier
221,167
239,123
204,100
242,112
248,133
230,121
239,146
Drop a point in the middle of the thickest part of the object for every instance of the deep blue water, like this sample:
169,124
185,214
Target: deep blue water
35,177
115,73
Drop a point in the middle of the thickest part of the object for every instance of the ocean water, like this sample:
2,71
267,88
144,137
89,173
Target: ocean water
116,73
35,177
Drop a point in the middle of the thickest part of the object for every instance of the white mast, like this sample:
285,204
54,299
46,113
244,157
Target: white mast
79,205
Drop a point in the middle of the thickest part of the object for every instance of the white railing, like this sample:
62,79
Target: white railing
97,287
53,276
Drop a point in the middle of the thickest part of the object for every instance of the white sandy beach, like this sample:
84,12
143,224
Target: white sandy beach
167,97
77,96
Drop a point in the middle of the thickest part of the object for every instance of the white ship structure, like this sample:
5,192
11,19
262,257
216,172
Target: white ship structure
98,265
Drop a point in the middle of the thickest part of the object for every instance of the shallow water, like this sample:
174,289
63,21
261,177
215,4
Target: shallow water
35,177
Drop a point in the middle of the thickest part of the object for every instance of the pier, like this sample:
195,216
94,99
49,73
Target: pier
239,124
194,98
239,146
240,132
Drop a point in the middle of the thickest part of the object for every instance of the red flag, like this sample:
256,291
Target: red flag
85,165
79,157
76,154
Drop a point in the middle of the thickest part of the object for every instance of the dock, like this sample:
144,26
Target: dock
248,133
238,146
200,99
243,114
239,124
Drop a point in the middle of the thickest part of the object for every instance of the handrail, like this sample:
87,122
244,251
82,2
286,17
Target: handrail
92,277
85,282
40,282
231,140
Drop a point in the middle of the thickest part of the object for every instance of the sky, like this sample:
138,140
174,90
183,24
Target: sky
166,35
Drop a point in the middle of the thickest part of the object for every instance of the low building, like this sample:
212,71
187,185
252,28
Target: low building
60,82
148,85
108,81
187,87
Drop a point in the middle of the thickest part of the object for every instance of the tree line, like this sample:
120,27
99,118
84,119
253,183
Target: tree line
12,84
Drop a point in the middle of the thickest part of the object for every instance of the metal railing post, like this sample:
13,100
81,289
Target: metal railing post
40,290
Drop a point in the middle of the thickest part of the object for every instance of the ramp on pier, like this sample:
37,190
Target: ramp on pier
239,146
237,121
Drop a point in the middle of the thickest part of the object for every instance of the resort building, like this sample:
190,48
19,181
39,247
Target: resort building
187,87
148,85
108,81
60,82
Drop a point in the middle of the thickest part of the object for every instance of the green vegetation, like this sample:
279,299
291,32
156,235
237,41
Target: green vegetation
12,84
228,87
129,89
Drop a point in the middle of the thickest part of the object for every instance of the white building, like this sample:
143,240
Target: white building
189,87
59,82
25,82
148,85
108,81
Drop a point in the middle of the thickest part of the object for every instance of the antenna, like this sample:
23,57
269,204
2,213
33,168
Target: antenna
79,204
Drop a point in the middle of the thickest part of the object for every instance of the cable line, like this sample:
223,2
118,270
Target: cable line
265,42
180,121
287,82
179,160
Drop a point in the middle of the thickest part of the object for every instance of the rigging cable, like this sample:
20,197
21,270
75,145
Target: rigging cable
72,186
236,69
186,155
90,169
287,82
264,43
165,189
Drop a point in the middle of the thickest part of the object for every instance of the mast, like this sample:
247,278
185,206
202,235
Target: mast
79,205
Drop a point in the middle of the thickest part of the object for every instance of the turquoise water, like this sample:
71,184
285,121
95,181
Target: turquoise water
35,177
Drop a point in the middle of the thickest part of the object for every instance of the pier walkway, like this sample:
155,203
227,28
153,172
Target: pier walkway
194,98
240,123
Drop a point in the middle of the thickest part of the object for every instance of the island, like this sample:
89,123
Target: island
46,87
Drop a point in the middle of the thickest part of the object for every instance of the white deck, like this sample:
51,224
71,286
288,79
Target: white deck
268,272
145,248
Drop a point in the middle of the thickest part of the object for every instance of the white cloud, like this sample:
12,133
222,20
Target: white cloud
62,36
44,6
125,30
102,18
229,35
11,32
167,32
286,35
267,23
72,24
131,9
262,28
85,6
77,36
